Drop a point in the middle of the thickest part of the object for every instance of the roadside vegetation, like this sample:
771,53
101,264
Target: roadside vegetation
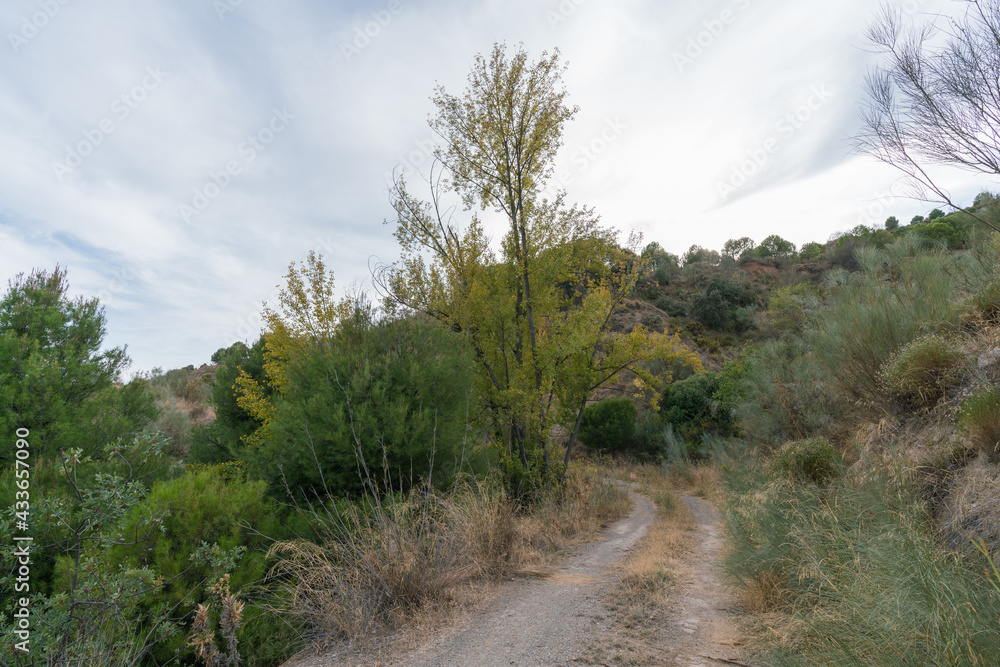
373,458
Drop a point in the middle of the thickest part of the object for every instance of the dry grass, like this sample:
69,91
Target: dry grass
972,509
410,560
640,597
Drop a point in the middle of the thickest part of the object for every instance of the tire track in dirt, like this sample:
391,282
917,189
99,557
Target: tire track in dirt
703,631
541,622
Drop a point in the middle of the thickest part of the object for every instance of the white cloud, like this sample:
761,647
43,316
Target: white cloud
357,78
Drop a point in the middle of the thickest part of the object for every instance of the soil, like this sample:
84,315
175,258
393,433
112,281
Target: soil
555,620
704,631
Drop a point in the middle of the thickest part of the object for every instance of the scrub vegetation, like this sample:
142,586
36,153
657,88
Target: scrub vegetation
373,458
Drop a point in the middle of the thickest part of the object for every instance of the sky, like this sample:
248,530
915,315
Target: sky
175,157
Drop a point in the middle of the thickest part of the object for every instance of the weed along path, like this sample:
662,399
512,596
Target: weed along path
542,621
581,614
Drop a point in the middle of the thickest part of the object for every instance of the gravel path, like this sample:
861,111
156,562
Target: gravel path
540,622
557,620
703,631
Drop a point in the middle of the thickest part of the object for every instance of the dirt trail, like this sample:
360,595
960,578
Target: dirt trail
556,620
703,631
540,622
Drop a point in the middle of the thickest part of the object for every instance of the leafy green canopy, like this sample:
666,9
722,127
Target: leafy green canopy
609,424
389,400
222,439
54,379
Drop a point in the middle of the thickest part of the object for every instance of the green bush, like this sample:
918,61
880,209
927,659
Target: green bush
979,418
895,299
814,460
724,305
670,306
608,424
774,246
223,438
209,527
811,252
692,408
779,392
942,232
922,371
387,399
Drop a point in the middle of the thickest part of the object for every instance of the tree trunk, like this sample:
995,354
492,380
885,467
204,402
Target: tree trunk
572,437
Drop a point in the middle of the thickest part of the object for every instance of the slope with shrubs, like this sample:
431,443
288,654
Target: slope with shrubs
859,503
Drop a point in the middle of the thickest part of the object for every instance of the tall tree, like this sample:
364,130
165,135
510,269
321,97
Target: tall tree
54,378
536,310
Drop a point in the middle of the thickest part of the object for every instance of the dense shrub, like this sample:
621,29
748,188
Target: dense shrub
389,399
692,408
208,527
774,247
812,251
942,232
814,460
854,573
724,305
223,438
670,306
779,391
608,424
895,299
790,308
922,371
979,418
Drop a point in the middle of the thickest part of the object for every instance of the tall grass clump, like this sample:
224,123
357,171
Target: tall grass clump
899,294
814,460
780,391
979,419
372,561
922,371
854,570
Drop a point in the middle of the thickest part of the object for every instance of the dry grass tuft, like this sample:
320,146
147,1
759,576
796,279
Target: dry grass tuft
972,509
402,559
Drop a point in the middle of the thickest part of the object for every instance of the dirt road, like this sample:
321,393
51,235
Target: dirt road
558,619
540,622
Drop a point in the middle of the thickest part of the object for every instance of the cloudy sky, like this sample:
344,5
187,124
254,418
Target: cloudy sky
175,156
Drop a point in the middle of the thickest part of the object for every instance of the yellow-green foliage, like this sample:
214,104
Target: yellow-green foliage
922,371
980,420
814,460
